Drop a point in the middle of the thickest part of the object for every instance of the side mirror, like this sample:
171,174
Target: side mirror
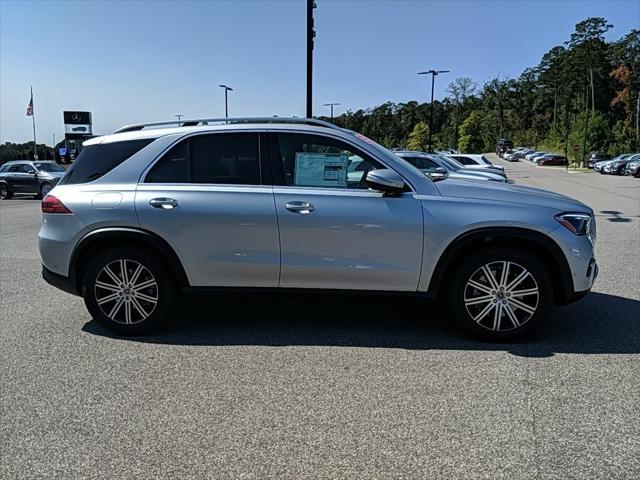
438,174
385,180
32,172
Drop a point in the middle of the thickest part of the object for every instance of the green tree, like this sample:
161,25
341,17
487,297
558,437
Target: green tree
419,137
471,134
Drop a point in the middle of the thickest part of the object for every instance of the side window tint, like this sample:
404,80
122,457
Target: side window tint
316,161
16,168
225,158
172,167
465,161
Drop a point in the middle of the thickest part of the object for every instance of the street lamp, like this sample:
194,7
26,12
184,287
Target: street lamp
433,74
226,101
331,105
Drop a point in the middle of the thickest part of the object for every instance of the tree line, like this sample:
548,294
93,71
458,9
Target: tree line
24,151
583,95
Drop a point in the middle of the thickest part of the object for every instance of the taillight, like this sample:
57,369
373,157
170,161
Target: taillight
51,204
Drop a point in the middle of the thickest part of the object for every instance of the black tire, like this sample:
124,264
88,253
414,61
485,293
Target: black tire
45,188
128,319
5,192
484,328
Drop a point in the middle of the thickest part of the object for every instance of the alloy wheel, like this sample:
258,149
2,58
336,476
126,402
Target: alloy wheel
3,191
45,190
501,296
126,291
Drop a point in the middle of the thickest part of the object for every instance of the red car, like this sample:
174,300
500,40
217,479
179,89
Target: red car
551,159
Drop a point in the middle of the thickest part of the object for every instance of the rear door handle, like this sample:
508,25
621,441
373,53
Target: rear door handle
164,203
300,207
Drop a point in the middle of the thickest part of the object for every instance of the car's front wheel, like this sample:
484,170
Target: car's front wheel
500,294
5,192
128,291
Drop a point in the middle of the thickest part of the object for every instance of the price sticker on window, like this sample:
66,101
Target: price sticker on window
321,170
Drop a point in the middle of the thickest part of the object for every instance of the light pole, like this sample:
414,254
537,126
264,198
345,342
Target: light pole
179,116
311,33
226,100
331,105
433,74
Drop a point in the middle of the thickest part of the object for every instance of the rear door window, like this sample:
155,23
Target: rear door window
173,167
97,160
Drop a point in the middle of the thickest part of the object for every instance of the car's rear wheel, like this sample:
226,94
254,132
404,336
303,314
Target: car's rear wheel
500,294
128,291
5,192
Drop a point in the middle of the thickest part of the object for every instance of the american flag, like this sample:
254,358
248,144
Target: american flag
30,107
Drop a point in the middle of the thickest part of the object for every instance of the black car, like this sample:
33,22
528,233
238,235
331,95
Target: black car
502,145
597,157
29,177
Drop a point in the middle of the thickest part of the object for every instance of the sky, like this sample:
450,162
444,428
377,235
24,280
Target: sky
133,61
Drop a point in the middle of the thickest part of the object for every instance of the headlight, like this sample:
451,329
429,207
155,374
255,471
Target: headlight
578,223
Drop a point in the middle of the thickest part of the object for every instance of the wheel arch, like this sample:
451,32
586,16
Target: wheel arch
536,242
99,239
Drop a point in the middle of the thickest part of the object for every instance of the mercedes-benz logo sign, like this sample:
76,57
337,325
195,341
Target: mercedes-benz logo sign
75,117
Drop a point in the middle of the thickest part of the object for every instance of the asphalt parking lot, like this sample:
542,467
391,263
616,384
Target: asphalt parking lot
259,386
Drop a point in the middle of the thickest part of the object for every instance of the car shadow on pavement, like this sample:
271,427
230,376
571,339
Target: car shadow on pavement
614,216
599,323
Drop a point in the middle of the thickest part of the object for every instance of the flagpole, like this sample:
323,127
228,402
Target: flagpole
33,120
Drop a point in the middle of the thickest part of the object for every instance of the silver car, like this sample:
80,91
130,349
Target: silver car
152,211
436,165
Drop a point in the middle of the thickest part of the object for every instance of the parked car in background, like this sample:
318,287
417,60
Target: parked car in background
597,157
530,155
502,145
506,155
552,159
475,161
633,167
521,154
433,164
618,166
447,151
538,156
599,166
29,177
266,204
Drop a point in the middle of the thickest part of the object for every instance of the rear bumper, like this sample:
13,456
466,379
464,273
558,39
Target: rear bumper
65,284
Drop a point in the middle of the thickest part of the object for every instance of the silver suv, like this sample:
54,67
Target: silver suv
154,210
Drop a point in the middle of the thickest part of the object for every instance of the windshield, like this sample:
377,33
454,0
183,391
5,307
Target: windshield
48,167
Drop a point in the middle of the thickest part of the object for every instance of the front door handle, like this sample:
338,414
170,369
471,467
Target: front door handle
164,203
300,207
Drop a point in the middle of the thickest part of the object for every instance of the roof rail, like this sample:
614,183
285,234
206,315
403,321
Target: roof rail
204,121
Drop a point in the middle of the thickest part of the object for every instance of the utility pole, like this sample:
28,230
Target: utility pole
311,33
331,105
593,96
637,121
433,74
586,124
226,100
179,116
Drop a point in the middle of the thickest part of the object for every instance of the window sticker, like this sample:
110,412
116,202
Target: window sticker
321,170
